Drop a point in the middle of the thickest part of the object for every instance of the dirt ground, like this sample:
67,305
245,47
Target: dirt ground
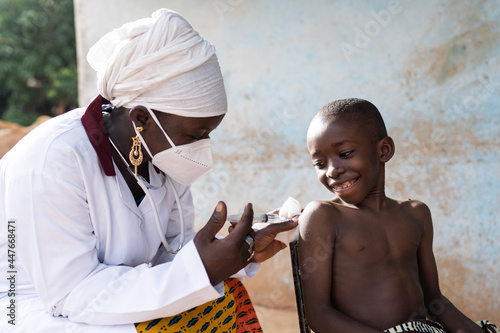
273,295
277,320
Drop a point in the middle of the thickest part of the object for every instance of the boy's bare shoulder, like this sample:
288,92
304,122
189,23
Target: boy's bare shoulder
319,216
417,209
321,209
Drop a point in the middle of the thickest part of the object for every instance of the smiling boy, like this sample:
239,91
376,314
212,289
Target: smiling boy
378,271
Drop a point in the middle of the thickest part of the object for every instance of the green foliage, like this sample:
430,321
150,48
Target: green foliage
37,58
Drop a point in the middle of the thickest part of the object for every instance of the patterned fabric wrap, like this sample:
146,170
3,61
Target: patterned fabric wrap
428,326
433,327
231,313
488,327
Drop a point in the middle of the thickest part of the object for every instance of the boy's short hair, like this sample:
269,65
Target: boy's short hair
357,110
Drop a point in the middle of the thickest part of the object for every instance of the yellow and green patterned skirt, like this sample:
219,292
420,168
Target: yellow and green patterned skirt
231,313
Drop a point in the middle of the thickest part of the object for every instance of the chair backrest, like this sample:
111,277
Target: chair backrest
297,281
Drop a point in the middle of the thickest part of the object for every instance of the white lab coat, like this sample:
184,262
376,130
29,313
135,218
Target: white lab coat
86,254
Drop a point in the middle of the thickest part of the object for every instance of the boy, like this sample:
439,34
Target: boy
366,260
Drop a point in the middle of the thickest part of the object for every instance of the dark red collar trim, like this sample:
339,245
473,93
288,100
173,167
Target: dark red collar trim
93,123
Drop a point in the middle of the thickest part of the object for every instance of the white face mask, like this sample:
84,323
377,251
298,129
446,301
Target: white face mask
184,163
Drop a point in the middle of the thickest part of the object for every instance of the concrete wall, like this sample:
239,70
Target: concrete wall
432,68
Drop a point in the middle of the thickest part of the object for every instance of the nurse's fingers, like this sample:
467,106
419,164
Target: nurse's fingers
244,226
270,250
224,257
275,228
266,236
216,221
231,226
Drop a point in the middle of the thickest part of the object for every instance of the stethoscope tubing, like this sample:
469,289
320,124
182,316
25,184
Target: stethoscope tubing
146,188
142,183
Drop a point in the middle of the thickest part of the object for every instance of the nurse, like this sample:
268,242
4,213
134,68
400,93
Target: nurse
95,205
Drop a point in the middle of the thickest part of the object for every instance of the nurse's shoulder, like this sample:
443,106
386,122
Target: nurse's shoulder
56,139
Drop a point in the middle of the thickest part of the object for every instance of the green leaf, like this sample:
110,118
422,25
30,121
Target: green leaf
37,58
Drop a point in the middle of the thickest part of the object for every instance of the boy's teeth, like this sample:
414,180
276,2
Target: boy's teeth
344,185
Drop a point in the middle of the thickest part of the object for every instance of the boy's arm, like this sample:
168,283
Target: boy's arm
439,306
316,246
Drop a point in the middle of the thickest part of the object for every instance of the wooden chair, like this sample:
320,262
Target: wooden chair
297,281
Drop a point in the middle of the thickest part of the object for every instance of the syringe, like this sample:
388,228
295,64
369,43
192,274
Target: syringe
266,218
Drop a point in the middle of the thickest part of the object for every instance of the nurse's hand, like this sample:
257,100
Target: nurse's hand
266,245
224,257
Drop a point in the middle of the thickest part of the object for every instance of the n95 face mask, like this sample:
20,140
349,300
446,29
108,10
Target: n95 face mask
184,163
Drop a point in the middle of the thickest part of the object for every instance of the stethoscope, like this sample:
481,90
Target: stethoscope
146,187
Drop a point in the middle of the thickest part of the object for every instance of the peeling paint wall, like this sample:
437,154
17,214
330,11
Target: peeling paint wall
431,67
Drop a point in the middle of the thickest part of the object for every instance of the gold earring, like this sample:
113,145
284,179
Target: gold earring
135,155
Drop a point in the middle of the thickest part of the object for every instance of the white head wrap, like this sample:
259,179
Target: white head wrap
160,62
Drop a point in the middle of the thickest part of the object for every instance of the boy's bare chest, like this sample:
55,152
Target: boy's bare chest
367,239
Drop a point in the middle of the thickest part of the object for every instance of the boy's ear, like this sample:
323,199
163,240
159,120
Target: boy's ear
386,149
